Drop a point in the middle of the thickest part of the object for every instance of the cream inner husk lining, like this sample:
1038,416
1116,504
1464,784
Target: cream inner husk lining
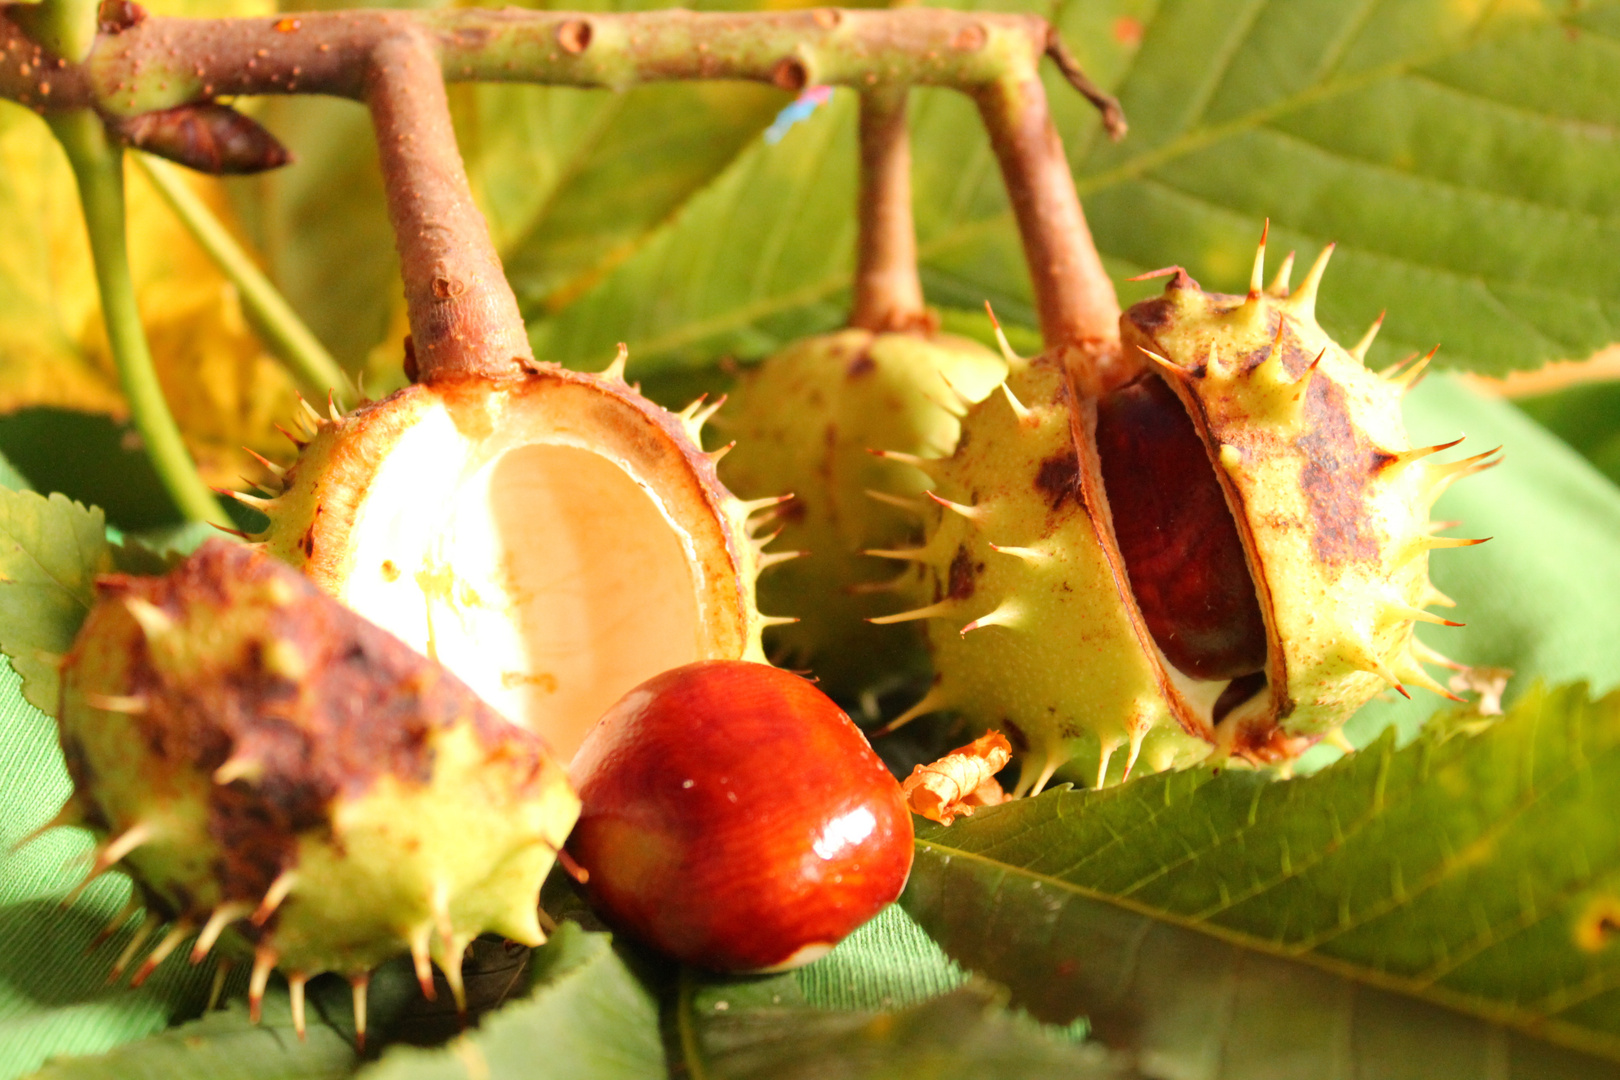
548,579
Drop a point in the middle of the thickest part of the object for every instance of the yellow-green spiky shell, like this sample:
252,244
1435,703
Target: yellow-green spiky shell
1023,601
805,422
1027,600
1330,501
263,759
554,539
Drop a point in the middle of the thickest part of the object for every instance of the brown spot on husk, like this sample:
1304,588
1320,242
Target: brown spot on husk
1295,358
964,574
322,702
1339,467
1015,735
1150,315
861,365
1059,479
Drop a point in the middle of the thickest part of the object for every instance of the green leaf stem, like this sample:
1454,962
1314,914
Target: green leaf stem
98,165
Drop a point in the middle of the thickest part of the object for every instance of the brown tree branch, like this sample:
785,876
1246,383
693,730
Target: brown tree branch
464,317
1113,116
888,293
161,63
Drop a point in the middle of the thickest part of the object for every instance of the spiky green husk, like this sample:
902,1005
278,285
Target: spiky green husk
1023,602
805,421
261,758
554,539
1027,600
1332,502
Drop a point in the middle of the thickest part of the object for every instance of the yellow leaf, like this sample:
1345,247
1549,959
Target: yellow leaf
224,388
47,291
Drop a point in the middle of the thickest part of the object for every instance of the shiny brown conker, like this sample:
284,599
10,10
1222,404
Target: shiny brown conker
1178,537
735,818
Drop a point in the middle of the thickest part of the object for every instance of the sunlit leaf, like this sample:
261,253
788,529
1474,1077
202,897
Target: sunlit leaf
573,208
47,292
753,261
1460,154
1476,874
51,549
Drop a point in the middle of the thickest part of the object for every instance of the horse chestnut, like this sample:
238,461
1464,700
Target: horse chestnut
1179,540
734,818
1214,548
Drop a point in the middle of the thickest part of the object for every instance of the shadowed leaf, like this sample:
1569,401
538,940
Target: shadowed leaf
589,1017
54,995
762,1029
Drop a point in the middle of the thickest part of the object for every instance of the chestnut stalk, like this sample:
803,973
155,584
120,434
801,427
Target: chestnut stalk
158,63
888,293
98,168
464,317
1074,297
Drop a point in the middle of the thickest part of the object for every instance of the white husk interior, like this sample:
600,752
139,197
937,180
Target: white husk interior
542,573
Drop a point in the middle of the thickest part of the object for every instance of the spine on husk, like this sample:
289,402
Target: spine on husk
805,421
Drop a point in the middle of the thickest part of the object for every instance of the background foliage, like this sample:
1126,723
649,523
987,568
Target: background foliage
1441,904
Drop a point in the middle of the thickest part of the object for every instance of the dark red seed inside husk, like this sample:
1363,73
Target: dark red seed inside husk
1180,544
